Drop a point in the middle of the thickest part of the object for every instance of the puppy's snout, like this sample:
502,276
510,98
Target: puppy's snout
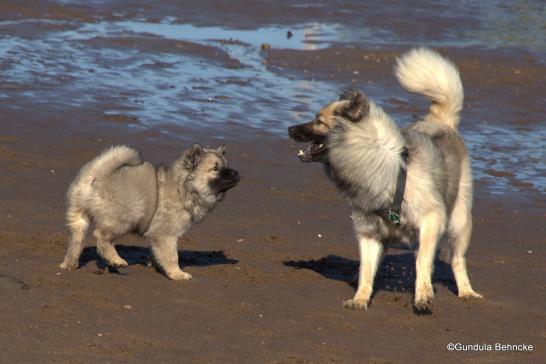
233,174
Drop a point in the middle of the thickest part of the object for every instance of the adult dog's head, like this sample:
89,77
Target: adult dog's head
352,106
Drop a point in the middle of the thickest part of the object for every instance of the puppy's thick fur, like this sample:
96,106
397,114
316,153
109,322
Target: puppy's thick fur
361,149
120,193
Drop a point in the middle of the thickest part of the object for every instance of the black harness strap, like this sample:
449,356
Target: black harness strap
392,213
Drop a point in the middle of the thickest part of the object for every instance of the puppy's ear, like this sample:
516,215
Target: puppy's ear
193,156
357,107
222,149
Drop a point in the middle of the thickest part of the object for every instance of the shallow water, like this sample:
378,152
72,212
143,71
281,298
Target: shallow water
126,69
162,87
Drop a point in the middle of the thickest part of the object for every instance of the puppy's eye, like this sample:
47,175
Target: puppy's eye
215,168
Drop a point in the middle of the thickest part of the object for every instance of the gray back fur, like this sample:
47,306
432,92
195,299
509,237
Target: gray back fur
365,158
364,162
122,193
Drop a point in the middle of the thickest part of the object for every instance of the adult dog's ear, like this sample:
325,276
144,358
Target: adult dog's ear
357,107
193,156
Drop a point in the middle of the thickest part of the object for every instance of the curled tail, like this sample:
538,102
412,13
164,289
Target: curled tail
80,193
103,165
424,71
108,161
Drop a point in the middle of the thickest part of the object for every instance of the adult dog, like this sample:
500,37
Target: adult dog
403,185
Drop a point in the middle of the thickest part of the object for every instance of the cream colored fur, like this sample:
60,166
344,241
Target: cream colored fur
425,72
364,160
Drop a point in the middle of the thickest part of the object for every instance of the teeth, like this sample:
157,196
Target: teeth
301,152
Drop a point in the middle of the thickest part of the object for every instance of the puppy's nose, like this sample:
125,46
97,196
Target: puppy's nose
234,174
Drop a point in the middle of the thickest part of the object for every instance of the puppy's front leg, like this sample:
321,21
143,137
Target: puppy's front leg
166,255
370,256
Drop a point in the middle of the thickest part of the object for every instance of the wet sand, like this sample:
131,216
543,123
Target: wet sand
273,262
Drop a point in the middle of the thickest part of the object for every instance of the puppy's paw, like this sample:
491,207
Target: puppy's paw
179,276
356,304
118,263
470,294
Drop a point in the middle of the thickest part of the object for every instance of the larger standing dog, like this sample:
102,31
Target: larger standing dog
120,193
406,184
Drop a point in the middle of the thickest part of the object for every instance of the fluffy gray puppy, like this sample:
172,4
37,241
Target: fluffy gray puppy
120,194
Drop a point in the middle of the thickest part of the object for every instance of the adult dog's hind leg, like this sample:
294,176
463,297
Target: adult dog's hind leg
106,249
460,231
166,255
370,257
77,222
432,227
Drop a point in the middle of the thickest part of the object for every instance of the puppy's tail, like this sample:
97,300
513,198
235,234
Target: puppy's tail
424,71
106,163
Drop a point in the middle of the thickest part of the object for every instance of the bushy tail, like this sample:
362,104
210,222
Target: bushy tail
77,215
424,71
107,162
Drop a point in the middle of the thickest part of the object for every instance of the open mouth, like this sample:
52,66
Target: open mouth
313,152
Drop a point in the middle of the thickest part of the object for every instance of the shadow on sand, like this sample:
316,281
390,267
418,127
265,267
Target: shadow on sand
137,255
395,274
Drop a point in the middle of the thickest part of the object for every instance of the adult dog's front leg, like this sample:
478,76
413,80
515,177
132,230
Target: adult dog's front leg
370,256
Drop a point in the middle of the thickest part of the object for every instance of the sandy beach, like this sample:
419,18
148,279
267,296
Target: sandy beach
274,261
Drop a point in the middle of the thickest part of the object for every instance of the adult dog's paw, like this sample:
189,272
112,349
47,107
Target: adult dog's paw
470,294
423,307
356,304
68,266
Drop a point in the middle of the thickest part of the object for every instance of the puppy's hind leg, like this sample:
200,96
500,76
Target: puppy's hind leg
166,256
106,249
370,255
77,222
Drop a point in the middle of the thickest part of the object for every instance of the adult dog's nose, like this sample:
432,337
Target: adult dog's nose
294,133
291,130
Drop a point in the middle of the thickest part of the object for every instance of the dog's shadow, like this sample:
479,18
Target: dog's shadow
395,274
137,255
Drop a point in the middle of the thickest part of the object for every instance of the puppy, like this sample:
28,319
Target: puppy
403,185
120,194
